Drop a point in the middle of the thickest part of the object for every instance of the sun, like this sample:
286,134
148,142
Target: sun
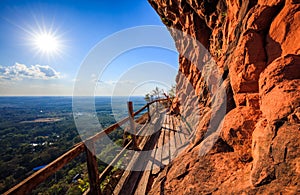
47,43
45,38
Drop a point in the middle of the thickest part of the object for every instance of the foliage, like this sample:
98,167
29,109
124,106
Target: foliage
26,145
83,185
158,93
147,97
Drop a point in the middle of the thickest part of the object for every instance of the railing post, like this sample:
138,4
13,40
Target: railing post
149,115
131,120
92,167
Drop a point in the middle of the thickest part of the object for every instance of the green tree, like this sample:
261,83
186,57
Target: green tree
156,92
147,97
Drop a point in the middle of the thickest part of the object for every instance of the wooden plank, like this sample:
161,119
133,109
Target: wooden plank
143,130
145,139
153,160
181,139
166,144
139,179
92,167
186,126
157,165
142,187
182,131
178,142
158,152
182,135
172,138
130,181
129,176
135,176
26,186
128,173
125,175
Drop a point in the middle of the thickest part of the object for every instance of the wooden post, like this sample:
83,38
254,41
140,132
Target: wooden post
131,120
92,167
149,115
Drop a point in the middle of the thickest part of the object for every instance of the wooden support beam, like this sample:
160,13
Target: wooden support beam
92,167
131,121
148,110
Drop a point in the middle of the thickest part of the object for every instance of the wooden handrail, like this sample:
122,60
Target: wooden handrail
38,177
28,184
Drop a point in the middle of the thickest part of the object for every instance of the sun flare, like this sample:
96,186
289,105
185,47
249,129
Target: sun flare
46,43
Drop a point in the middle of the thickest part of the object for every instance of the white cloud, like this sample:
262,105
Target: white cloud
21,71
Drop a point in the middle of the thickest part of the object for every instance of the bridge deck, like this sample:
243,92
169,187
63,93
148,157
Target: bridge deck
162,139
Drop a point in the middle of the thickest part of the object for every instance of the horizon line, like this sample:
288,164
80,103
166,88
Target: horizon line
69,96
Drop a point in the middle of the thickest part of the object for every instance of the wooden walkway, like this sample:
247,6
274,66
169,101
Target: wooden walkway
163,138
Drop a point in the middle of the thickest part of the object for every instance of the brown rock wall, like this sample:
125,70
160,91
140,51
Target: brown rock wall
240,91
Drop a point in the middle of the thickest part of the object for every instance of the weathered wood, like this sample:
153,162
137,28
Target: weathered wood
186,126
181,135
178,142
148,111
131,180
142,187
27,185
142,131
158,152
166,144
126,174
143,182
185,129
172,140
92,167
131,122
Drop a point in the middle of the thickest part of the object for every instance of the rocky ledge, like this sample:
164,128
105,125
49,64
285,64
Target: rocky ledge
255,143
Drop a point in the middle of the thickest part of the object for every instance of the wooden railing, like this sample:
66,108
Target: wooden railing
87,146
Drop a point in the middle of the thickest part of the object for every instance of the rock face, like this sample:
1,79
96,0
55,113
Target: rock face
238,86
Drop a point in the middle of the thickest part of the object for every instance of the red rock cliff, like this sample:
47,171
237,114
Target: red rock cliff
256,141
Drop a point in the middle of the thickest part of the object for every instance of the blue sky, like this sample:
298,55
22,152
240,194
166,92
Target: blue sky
76,26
